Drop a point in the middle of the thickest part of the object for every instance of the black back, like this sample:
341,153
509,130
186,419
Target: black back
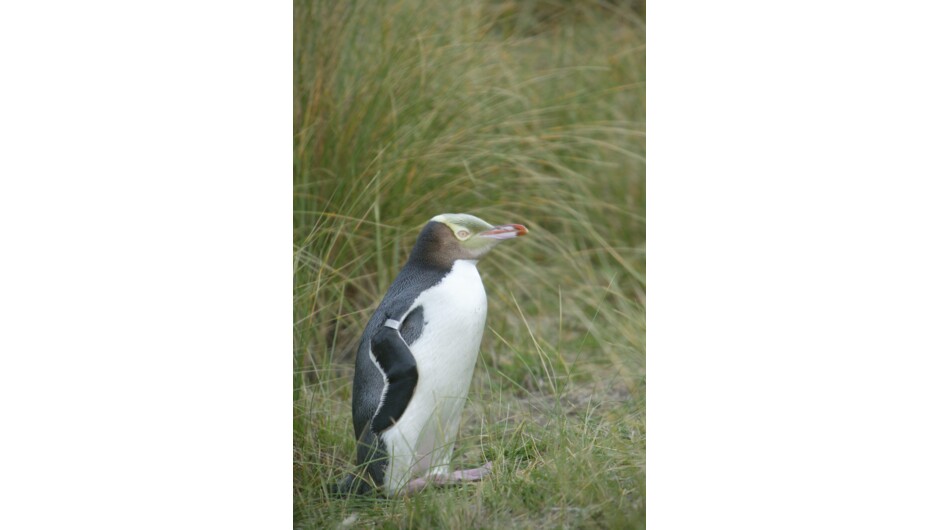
425,268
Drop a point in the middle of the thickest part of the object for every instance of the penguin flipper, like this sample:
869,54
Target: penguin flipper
398,365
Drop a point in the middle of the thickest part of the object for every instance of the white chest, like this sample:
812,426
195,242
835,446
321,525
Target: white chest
445,352
454,314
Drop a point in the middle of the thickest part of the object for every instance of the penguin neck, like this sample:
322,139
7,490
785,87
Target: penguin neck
439,265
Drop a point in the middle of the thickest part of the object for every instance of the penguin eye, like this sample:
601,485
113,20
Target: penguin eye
463,234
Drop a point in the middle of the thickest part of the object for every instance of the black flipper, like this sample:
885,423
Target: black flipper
400,369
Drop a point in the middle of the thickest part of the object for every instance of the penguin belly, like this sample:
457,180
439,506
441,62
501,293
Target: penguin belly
422,441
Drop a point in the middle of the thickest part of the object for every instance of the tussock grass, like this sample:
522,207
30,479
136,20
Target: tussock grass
525,112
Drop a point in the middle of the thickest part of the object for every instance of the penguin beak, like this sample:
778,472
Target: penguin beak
505,232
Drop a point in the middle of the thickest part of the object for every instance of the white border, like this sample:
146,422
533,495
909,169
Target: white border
145,225
794,265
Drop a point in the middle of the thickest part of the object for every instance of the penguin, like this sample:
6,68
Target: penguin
416,358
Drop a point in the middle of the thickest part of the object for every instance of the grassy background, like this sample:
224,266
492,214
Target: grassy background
526,112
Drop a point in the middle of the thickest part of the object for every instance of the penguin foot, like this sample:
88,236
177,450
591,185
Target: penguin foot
448,479
472,475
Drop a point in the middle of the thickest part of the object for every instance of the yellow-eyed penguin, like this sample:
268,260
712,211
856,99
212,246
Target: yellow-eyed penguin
416,358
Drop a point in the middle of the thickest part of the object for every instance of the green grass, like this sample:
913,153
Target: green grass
524,112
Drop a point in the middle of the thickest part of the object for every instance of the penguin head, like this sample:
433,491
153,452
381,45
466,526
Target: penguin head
452,236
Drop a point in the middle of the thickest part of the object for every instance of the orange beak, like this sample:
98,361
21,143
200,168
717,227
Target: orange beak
505,232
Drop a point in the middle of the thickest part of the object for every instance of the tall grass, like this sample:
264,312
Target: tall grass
524,112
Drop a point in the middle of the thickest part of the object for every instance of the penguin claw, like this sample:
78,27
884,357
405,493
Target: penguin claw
449,479
473,475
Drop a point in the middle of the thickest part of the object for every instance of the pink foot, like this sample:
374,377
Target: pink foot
472,475
461,475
